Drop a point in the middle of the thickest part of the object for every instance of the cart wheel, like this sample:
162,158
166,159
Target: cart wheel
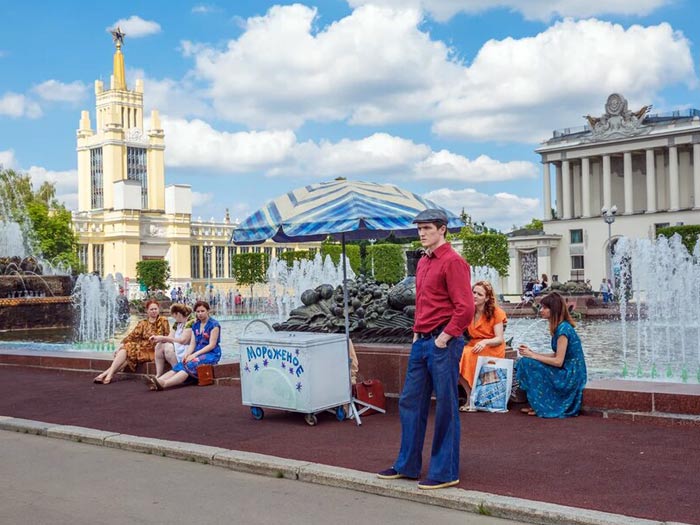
340,414
257,412
311,419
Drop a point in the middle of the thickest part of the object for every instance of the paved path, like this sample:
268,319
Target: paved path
591,463
73,484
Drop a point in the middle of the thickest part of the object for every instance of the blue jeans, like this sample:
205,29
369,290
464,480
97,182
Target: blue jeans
431,368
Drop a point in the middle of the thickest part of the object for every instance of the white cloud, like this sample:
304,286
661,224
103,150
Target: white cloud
200,199
377,66
500,210
196,144
56,91
65,182
175,98
370,67
520,89
446,165
7,159
377,154
205,9
543,10
16,105
136,27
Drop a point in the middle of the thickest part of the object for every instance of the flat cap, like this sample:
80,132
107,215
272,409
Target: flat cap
431,215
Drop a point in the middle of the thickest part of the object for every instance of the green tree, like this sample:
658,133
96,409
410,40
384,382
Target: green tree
46,223
250,268
153,273
290,256
534,224
486,249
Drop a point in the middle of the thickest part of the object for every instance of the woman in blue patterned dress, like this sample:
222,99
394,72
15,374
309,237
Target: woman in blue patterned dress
204,350
554,383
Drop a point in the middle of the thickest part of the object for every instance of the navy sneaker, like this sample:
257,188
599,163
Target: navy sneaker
390,473
431,484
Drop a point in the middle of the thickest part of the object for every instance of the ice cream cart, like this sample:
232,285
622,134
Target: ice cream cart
294,371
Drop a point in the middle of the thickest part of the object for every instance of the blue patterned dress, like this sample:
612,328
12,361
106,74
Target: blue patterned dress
551,391
202,335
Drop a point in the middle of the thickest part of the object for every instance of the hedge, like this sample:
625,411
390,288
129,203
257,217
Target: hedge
352,251
290,256
389,263
689,234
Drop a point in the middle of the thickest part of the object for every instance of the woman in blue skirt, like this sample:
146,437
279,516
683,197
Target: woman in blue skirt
554,383
204,350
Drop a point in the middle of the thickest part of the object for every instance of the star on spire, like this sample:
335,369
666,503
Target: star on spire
118,36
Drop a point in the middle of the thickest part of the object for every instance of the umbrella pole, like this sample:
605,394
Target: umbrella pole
346,313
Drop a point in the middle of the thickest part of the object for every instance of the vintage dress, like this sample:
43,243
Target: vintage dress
478,331
202,334
551,391
139,348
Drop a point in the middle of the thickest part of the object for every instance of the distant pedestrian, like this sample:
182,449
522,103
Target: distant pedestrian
444,309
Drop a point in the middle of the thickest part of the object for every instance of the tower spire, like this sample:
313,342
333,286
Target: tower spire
118,74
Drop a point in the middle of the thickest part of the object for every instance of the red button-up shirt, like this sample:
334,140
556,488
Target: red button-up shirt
443,292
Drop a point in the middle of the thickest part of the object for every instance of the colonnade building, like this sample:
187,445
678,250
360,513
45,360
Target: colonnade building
126,213
644,167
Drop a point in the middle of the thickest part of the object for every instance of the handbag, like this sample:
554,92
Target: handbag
370,392
493,379
205,375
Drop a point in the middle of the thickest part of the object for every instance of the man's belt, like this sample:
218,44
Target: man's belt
433,333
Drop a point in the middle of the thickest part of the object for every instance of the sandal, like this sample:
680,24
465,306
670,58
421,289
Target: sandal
526,410
532,413
154,384
466,408
98,380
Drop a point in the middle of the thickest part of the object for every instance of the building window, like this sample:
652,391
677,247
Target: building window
83,256
136,169
206,258
245,249
577,268
231,254
220,261
96,179
576,236
98,259
256,249
194,262
268,251
660,225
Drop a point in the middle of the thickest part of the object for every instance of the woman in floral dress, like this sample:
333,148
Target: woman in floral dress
137,347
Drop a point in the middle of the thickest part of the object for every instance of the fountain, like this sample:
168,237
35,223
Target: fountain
658,286
34,294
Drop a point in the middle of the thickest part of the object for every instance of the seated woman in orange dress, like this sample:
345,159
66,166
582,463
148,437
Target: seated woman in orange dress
137,347
486,332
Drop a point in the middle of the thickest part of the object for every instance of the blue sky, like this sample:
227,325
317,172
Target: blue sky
447,98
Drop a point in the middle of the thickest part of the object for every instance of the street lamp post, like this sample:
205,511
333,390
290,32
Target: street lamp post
372,241
609,217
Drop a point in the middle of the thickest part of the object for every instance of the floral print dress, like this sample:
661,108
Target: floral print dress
551,391
139,349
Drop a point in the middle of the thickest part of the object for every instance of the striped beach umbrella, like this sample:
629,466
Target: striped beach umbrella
348,210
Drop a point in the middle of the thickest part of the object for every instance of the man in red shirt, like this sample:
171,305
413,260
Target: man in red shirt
444,309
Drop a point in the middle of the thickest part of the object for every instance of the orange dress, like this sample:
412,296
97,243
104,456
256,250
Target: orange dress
138,348
479,330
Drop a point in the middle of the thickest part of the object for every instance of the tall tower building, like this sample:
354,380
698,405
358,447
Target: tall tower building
125,213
